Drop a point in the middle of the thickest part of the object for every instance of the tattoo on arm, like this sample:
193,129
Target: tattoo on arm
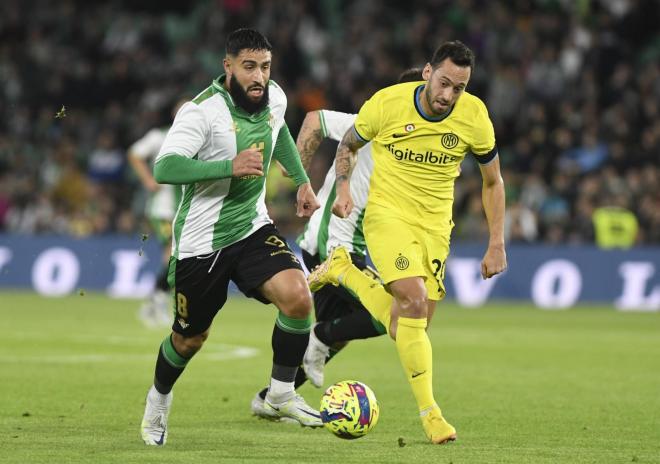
346,155
343,164
308,141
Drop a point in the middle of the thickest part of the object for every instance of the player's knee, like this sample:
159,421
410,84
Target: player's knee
298,304
188,346
412,305
411,297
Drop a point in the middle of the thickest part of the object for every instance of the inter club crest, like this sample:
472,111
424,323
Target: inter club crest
449,140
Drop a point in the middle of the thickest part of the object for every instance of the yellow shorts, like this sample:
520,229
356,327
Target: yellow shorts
400,249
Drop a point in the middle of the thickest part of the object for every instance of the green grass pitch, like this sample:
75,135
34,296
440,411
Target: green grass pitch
521,385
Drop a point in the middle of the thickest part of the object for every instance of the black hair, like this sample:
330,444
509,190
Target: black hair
459,53
246,39
410,75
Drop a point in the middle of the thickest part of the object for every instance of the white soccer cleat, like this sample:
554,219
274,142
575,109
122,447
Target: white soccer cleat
294,408
258,409
314,359
154,422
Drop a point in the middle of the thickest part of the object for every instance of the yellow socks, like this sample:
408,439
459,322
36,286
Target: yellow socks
416,356
371,294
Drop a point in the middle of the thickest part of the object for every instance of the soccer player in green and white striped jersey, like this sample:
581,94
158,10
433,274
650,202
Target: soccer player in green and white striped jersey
324,230
218,149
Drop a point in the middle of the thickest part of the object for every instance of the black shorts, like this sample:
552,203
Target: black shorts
200,283
332,302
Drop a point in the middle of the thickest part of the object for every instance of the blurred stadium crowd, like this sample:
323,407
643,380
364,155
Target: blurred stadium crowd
573,88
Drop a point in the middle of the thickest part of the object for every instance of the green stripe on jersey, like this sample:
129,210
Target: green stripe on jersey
239,207
171,272
204,94
322,238
177,196
180,219
359,243
323,126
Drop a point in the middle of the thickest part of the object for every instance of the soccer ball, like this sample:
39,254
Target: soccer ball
349,409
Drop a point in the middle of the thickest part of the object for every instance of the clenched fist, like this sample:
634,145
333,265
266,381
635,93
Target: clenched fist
494,261
249,162
343,204
306,202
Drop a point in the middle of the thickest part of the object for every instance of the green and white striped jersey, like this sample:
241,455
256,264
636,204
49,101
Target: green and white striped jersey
325,230
161,204
215,214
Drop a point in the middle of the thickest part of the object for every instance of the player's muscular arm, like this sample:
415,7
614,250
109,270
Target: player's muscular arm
344,163
346,155
492,196
309,138
286,152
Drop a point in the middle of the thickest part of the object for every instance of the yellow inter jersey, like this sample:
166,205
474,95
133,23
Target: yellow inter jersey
417,157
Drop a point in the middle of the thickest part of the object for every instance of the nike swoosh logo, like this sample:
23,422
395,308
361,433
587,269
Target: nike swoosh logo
417,374
162,437
398,136
309,413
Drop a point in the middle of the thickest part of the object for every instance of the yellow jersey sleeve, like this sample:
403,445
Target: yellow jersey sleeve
369,120
483,136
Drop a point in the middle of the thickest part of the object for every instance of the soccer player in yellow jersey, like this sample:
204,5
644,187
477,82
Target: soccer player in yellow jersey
420,132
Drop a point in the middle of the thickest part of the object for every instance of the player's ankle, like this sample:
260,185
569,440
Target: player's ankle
280,398
156,396
423,411
279,392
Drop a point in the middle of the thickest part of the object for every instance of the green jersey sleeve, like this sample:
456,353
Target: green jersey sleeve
176,169
285,152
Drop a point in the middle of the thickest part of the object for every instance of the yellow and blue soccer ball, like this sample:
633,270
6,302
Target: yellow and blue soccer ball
349,409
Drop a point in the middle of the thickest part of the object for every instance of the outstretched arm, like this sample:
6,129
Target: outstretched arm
492,195
344,163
